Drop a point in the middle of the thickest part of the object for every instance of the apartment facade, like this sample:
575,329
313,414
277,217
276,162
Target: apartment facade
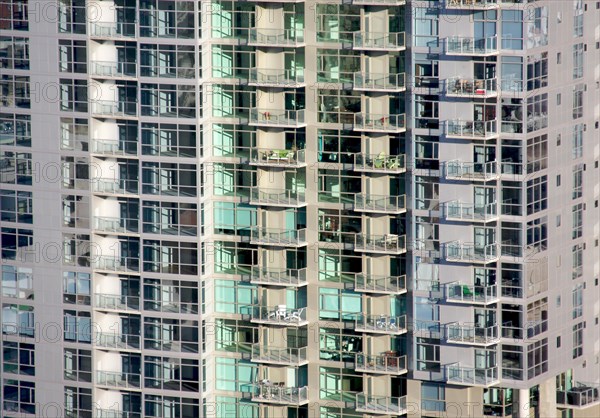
300,208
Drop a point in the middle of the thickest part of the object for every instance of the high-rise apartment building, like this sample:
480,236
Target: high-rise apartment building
300,209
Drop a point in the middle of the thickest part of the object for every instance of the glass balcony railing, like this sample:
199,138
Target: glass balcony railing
380,163
278,237
113,186
580,396
385,405
114,148
458,292
279,315
379,2
472,4
459,211
382,41
116,225
277,393
377,122
275,78
386,244
112,30
114,109
117,302
286,355
379,203
471,376
459,45
278,157
114,413
466,87
117,264
471,334
374,283
117,341
277,118
113,69
381,324
118,379
278,276
379,82
276,197
459,170
460,252
276,37
472,129
383,364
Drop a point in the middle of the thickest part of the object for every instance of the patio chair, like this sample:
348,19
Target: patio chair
295,316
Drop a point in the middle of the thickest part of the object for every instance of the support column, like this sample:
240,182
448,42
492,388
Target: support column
523,406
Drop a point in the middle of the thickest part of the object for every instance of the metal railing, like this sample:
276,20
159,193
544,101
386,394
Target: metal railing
280,237
279,315
471,334
388,243
379,40
116,225
267,76
279,276
380,404
279,197
118,379
123,264
380,323
379,2
379,81
287,355
117,302
580,396
380,162
113,69
471,376
458,251
112,147
379,203
467,293
276,393
459,45
460,170
117,341
113,108
472,129
115,413
459,211
388,364
459,86
472,4
115,186
276,37
374,283
112,29
277,157
377,122
279,117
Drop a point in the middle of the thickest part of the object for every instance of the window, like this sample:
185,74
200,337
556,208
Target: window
235,375
78,326
577,141
577,298
537,234
235,336
17,244
167,19
577,18
512,362
537,112
339,345
537,27
235,297
18,358
78,365
337,265
169,100
169,218
14,15
72,16
337,23
165,61
19,395
577,181
170,140
577,264
171,374
165,334
15,91
537,358
16,168
339,304
16,129
162,178
337,146
537,71
16,206
78,402
577,221
578,61
428,355
170,296
168,406
433,397
558,99
14,52
17,282
73,95
76,288
537,194
578,340
72,56
537,153
578,101
512,29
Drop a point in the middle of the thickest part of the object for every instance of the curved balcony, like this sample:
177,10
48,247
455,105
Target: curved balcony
460,252
117,341
277,118
471,87
379,82
277,197
471,376
278,237
267,77
458,292
379,203
379,41
273,37
468,46
279,315
381,324
472,4
384,405
114,109
113,69
267,276
273,393
472,335
466,171
273,157
473,130
458,211
115,187
118,379
112,148
378,122
110,302
117,264
374,283
113,225
382,244
380,163
284,356
112,30
383,364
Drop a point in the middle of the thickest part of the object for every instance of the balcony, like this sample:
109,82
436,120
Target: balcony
269,157
379,203
379,82
472,4
265,77
465,87
117,341
115,187
113,413
117,264
379,41
581,396
460,252
117,302
377,122
280,356
112,30
471,376
112,109
467,46
458,211
277,197
382,244
472,335
109,225
279,315
469,294
473,130
383,364
381,324
266,276
459,170
114,148
120,380
386,285
277,118
379,2
276,393
380,163
278,237
273,37
112,69
384,405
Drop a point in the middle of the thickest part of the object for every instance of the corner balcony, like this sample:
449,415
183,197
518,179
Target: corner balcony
268,276
110,225
469,294
119,380
472,87
277,118
466,171
380,163
460,252
383,364
112,69
105,301
384,405
472,4
114,187
581,396
273,37
467,46
266,77
117,341
112,148
278,237
112,30
277,197
279,315
472,335
379,41
381,244
381,284
273,157
381,324
471,376
377,122
280,356
458,211
474,130
113,109
276,393
379,203
117,264
379,82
